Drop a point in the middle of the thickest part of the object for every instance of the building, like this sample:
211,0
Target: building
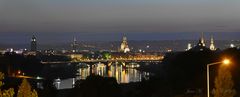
74,45
189,46
200,45
124,45
202,41
33,43
212,46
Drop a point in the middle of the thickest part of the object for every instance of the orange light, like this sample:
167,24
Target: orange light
226,61
19,72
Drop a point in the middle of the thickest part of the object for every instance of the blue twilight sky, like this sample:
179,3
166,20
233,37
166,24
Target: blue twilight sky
114,17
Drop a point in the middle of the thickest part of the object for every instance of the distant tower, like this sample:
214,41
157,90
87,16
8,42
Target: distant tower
74,45
33,43
189,46
202,40
212,47
124,45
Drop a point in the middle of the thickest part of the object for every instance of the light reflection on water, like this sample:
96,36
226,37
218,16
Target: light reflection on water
123,73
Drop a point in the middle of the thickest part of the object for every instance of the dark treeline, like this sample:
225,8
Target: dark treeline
184,73
11,63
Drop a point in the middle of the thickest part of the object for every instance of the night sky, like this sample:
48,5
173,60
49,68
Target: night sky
59,20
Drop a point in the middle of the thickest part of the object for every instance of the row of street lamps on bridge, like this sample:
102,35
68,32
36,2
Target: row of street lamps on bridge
224,62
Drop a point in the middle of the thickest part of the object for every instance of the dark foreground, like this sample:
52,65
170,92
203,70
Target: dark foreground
181,74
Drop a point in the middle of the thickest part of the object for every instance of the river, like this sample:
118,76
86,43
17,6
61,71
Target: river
124,73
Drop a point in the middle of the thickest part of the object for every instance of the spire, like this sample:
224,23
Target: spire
74,45
74,39
212,41
212,47
202,40
124,45
33,43
189,46
33,38
124,38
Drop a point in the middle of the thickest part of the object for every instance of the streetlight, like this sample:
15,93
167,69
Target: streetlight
225,62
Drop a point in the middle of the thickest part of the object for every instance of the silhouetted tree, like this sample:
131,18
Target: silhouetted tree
5,93
25,90
224,83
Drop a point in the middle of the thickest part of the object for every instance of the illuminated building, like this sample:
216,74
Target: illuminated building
74,45
189,46
75,56
33,43
212,47
200,45
124,45
202,41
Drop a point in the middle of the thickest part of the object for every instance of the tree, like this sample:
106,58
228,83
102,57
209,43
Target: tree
25,90
5,93
224,83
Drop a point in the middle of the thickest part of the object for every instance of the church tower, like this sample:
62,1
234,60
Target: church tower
212,46
74,45
202,40
124,45
33,43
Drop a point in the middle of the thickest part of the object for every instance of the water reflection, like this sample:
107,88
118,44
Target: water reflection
83,73
124,73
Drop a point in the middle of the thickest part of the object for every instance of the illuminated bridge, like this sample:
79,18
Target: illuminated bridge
140,58
107,61
120,68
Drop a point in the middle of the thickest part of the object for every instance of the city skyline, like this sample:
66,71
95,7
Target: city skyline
119,48
51,38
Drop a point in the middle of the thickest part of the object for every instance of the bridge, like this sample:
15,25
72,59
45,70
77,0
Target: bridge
107,61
